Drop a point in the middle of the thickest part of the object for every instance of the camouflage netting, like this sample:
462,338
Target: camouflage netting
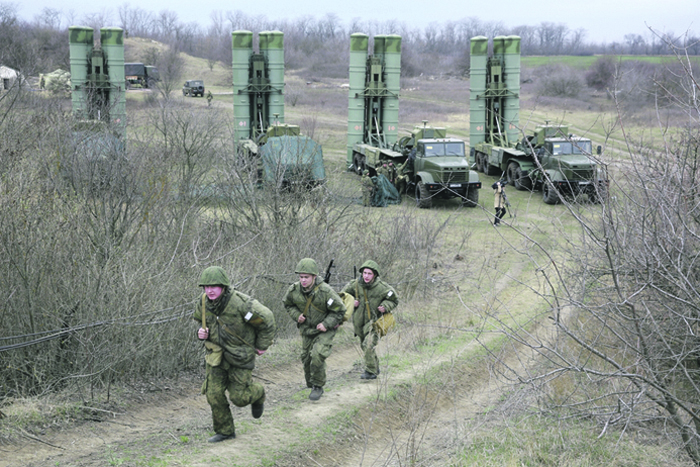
292,159
385,192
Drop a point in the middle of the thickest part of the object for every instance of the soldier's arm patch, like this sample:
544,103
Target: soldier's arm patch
329,302
391,292
248,316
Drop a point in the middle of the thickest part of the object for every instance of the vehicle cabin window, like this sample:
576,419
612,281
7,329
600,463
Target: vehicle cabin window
582,147
454,149
561,148
434,149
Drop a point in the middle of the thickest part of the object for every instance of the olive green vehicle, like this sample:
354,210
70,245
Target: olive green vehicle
434,165
550,159
193,88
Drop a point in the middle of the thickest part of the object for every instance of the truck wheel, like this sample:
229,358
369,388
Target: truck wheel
490,169
422,196
549,194
479,162
522,182
510,173
472,198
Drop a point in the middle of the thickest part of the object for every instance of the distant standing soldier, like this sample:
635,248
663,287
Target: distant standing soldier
318,311
401,179
367,189
384,170
373,298
235,329
499,202
392,173
209,98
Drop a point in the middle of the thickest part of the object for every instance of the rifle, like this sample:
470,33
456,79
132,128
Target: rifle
327,275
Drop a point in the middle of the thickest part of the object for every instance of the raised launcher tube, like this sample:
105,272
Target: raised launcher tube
511,107
391,53
112,40
242,49
258,83
272,47
97,76
477,79
81,42
359,44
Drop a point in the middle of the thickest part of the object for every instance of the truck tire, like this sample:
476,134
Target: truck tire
479,162
490,169
510,172
522,182
549,194
472,199
422,196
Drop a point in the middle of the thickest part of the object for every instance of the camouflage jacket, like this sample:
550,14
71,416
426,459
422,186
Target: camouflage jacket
239,324
325,307
377,293
367,183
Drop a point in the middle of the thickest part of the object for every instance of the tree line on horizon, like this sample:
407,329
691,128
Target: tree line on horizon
41,45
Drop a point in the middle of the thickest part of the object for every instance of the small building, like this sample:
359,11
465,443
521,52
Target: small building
8,76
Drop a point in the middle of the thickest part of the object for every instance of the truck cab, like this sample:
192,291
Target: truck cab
438,167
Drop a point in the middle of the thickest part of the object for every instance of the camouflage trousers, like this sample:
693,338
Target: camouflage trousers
368,342
241,390
314,352
366,198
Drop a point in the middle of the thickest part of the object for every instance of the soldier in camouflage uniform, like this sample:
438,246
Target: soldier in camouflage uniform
367,189
383,170
241,328
392,173
318,311
373,298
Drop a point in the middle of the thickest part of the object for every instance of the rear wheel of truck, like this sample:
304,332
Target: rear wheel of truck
510,173
522,182
422,196
479,162
549,194
490,169
472,198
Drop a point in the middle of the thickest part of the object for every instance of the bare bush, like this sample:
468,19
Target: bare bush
560,81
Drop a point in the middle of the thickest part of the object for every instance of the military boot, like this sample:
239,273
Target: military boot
257,409
219,437
368,375
316,393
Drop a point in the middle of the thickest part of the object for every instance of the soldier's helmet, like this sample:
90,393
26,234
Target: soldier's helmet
307,266
214,275
370,265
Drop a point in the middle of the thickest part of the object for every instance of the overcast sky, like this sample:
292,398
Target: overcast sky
604,20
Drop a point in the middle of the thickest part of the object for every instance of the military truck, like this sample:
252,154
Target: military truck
138,74
285,156
193,88
551,159
431,164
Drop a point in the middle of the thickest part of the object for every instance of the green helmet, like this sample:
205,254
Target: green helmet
371,265
214,275
307,266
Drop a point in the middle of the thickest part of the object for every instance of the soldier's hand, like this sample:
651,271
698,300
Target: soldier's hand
203,334
357,303
321,327
381,309
301,319
259,352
